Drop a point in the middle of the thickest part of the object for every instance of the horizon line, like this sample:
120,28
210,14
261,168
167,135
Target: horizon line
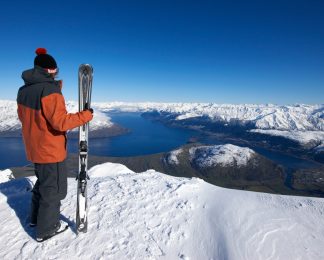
193,102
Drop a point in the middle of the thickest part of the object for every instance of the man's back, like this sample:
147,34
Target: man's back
42,111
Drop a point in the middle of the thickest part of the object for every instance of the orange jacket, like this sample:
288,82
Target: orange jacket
42,112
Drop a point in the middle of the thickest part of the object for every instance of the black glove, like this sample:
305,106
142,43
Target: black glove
86,107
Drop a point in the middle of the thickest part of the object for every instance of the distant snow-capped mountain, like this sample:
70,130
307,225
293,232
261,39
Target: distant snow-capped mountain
313,138
9,119
296,117
265,117
302,123
8,116
223,155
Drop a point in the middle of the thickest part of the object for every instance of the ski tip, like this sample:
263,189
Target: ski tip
86,66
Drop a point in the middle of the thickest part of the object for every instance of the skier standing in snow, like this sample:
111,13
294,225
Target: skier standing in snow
42,112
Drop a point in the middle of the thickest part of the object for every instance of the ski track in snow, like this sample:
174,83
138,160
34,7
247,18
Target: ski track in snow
151,215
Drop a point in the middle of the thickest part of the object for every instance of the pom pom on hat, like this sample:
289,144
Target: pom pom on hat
40,51
45,60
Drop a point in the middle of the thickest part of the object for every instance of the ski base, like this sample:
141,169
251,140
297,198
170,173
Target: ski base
81,216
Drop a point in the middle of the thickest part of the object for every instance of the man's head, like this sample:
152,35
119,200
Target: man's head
45,61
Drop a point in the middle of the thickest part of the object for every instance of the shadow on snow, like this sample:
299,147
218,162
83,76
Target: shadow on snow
19,193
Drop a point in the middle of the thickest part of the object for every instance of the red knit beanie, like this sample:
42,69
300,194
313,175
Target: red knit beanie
45,60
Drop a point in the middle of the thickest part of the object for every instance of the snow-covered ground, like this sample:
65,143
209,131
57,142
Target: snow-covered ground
151,215
297,117
171,158
223,155
303,137
6,175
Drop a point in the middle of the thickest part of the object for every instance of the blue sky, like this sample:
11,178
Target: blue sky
172,51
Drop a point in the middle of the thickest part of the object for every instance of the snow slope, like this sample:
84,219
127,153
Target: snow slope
224,155
302,137
171,158
150,215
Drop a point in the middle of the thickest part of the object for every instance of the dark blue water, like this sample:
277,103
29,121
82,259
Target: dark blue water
12,152
146,137
281,158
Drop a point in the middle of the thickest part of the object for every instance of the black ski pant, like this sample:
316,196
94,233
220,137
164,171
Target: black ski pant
50,188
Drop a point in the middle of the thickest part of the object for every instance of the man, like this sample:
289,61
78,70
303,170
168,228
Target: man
42,112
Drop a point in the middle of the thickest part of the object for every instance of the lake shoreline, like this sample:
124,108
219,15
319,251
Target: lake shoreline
140,143
287,183
105,132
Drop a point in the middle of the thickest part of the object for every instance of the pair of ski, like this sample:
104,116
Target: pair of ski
85,88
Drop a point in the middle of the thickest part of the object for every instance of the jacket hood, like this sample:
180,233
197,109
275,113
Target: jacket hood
36,75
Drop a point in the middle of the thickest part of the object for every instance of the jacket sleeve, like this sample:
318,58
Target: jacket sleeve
54,110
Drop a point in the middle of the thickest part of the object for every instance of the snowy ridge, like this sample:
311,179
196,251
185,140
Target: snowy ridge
150,215
9,119
269,116
297,117
223,155
303,137
171,158
8,116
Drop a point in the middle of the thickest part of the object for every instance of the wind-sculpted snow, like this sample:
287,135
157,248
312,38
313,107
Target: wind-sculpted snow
223,155
151,215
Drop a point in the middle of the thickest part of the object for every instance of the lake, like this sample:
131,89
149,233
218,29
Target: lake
287,160
146,137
